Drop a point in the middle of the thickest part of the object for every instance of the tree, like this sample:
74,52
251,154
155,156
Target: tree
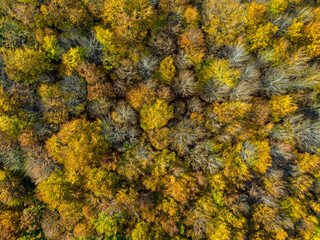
135,160
12,125
185,84
185,134
51,47
307,136
172,5
276,7
163,161
123,113
294,207
56,191
313,38
256,14
74,94
282,106
66,14
235,169
265,217
276,82
54,105
166,70
9,224
140,231
73,58
95,7
295,31
50,226
257,155
84,229
182,188
155,115
230,111
135,18
25,64
113,48
280,51
162,43
199,219
102,183
109,225
220,71
261,36
8,104
159,138
308,163
78,145
192,41
192,16
143,94
11,188
223,20
91,72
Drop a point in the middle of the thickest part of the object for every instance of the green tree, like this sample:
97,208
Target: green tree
51,47
12,125
276,7
109,225
140,232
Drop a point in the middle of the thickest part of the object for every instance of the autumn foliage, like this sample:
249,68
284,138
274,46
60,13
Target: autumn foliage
159,119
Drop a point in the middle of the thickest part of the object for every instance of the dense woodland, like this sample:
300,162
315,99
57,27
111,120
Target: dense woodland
159,119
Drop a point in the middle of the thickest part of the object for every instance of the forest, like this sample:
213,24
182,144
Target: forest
159,120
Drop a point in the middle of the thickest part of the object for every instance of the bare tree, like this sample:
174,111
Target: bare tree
184,134
147,65
184,85
162,43
237,54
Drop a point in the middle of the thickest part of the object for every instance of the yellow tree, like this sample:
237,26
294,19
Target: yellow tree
155,115
261,36
113,48
219,70
282,106
73,58
79,145
223,20
166,70
25,64
276,7
140,95
192,41
54,103
129,19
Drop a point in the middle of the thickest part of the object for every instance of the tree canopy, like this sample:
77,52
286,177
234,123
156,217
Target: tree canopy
159,119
